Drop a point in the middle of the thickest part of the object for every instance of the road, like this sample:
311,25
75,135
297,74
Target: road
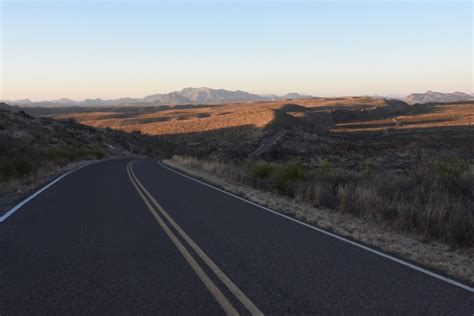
120,238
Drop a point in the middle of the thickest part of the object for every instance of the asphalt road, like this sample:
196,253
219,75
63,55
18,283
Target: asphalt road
122,238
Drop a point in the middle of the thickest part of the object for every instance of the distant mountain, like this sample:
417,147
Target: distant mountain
295,95
292,95
432,96
17,102
185,96
202,96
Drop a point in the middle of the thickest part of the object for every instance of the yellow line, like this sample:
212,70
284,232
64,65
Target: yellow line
249,305
221,299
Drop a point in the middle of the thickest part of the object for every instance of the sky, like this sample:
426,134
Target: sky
111,49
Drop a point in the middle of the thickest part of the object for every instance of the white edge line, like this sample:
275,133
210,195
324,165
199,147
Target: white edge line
19,205
405,263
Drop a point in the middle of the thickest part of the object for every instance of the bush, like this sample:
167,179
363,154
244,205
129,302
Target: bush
15,169
450,169
23,167
286,175
325,167
62,155
368,168
98,153
261,170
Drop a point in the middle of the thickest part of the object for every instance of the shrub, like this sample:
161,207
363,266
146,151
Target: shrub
98,153
325,167
62,155
368,168
23,167
316,193
451,169
15,169
286,175
261,170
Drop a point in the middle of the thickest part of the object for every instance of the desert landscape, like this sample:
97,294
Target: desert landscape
236,158
345,131
350,153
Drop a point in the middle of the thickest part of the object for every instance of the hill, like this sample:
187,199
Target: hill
432,96
32,148
347,131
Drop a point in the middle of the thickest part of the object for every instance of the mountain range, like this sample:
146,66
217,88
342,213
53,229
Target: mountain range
185,96
432,96
215,96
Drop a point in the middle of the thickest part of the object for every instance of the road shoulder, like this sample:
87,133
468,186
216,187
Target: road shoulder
21,192
438,256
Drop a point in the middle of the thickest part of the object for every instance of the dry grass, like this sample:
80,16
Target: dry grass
435,201
359,213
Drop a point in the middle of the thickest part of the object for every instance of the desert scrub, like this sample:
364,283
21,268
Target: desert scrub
325,167
17,168
453,169
368,168
286,177
421,201
63,155
261,170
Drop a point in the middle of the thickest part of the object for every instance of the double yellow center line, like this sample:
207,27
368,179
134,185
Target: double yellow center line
160,215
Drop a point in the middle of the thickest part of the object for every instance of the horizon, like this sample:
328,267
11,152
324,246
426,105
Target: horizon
212,88
112,49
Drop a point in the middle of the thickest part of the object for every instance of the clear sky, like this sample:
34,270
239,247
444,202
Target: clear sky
108,49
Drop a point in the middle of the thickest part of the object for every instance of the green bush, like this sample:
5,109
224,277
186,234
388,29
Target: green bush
62,155
23,167
368,168
261,170
15,169
325,167
98,153
287,174
450,169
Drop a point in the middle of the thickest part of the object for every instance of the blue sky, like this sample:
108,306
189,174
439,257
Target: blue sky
108,49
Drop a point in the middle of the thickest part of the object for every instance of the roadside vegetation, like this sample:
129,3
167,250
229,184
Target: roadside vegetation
32,160
434,200
32,148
